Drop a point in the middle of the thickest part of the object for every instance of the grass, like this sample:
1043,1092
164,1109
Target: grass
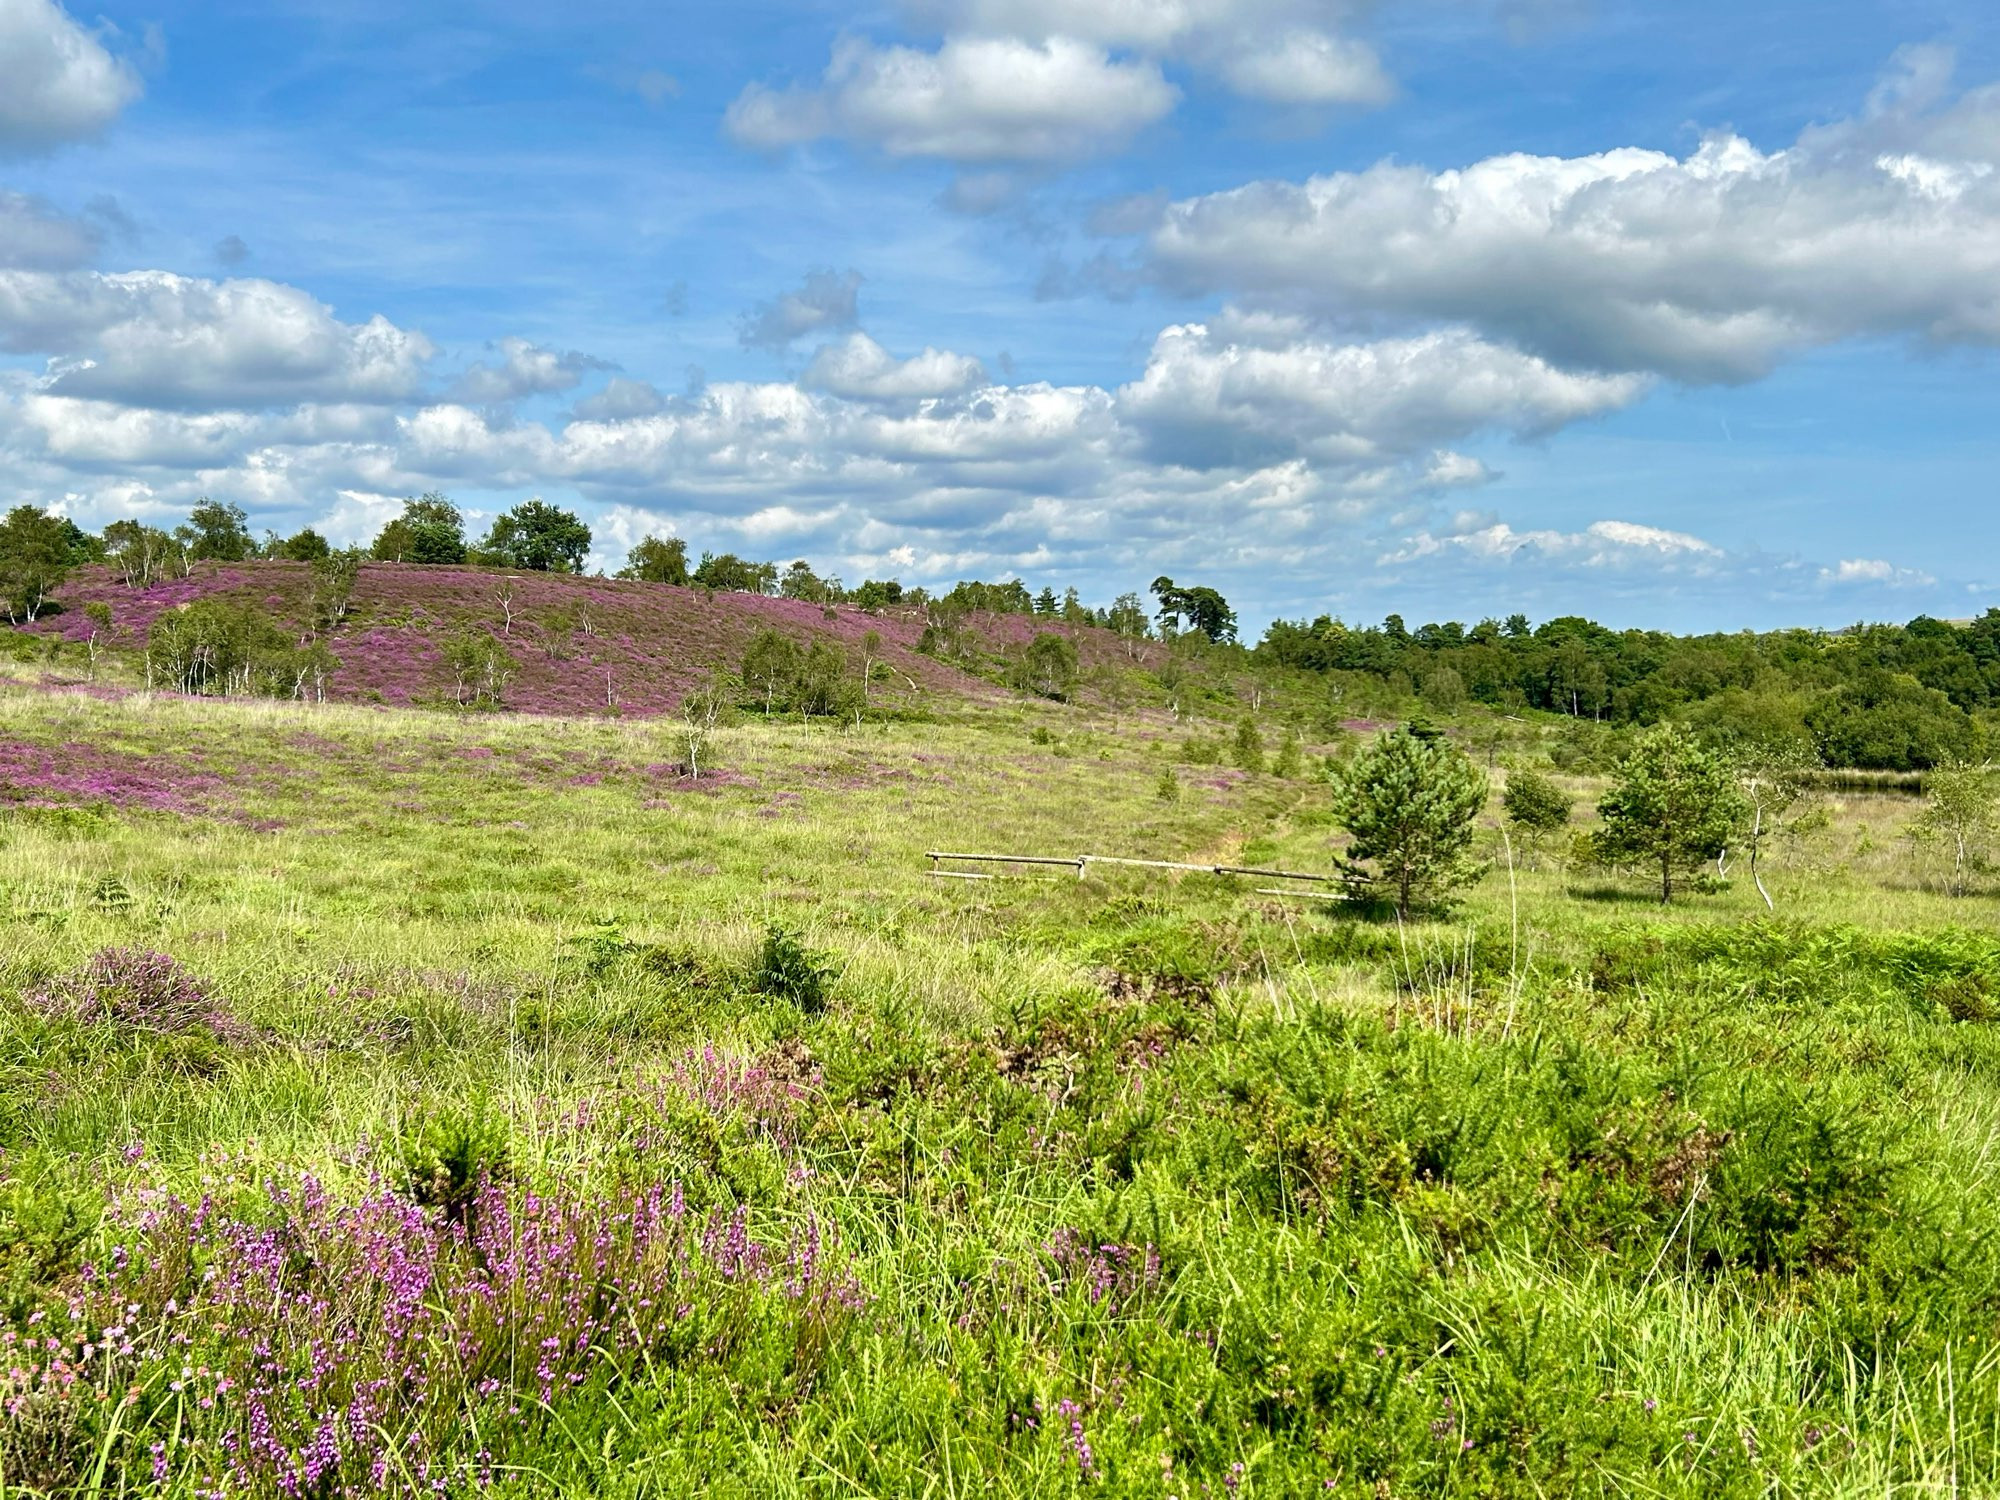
1133,1185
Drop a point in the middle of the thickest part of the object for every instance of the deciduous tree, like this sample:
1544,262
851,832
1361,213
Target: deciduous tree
1961,808
34,561
219,533
538,538
657,559
430,530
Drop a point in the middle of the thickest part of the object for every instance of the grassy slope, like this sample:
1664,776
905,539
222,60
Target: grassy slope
1566,1196
581,643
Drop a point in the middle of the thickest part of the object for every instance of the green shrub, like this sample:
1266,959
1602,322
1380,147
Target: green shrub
1535,803
788,970
447,1154
599,949
1807,1184
1248,751
43,1228
1290,762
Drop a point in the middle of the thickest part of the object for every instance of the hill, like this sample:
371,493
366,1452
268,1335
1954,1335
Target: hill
577,646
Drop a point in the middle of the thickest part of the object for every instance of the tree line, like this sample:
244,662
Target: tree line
1879,697
1876,697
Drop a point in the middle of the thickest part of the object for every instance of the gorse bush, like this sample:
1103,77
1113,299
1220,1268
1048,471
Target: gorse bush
1808,1183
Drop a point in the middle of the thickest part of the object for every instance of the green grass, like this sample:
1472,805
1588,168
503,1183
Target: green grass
1565,1194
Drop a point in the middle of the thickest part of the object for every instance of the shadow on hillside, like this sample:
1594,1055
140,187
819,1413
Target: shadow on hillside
1615,895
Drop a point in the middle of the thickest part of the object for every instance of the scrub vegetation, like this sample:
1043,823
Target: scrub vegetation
467,1102
471,1029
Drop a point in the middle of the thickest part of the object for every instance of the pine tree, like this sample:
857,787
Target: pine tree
1409,805
1674,804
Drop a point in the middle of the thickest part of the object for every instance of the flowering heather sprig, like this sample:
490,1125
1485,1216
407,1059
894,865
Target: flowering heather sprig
1079,1442
140,990
763,1093
1111,1274
313,1347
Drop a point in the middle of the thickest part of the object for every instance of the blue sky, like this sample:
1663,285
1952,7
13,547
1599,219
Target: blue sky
1678,316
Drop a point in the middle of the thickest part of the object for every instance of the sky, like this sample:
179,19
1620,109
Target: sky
1678,316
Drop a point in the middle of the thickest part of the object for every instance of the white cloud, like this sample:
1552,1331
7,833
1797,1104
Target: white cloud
1280,51
150,338
1257,449
1308,68
621,397
57,81
1602,544
1205,403
103,434
1875,570
826,300
1708,267
525,369
977,99
862,370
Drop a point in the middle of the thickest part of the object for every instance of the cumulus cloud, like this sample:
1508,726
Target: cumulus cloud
1307,68
870,455
825,301
1708,267
621,398
57,82
525,369
977,99
1602,544
105,435
861,369
154,339
1208,402
1294,52
1034,83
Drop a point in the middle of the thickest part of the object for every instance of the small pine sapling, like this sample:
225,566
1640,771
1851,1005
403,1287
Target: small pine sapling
1409,802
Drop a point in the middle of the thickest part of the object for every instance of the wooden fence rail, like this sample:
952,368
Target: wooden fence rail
1081,863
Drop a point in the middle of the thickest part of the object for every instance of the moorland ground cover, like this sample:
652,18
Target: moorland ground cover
473,1104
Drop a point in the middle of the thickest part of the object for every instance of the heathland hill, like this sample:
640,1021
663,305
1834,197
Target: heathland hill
572,645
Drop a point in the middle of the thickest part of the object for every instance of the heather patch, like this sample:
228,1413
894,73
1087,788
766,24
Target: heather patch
134,610
136,990
279,1340
572,647
80,774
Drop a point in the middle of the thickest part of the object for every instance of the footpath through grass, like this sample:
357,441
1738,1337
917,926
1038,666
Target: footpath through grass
400,1103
